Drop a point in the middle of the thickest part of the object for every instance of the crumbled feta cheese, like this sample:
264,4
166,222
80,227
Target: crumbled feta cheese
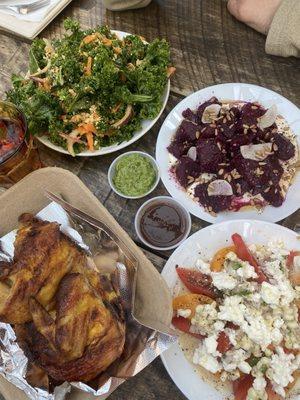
207,361
281,369
232,310
231,333
264,314
184,313
244,367
204,318
231,256
233,358
219,326
297,262
259,384
270,293
246,271
223,281
203,266
257,329
211,344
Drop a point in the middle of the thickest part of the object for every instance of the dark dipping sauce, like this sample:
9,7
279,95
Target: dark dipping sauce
163,224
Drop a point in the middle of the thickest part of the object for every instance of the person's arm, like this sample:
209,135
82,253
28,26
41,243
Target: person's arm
284,34
278,19
120,5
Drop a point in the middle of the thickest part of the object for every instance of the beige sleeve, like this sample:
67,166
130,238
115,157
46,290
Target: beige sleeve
284,35
119,5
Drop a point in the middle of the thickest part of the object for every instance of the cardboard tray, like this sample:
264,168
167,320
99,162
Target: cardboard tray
28,196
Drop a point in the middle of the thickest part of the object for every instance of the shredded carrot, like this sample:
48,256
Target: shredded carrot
117,50
90,141
106,42
88,67
91,38
170,71
87,127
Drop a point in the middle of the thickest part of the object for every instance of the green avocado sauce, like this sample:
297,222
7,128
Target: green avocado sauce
134,175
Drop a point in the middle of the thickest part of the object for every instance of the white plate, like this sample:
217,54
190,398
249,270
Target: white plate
228,91
146,126
208,241
30,29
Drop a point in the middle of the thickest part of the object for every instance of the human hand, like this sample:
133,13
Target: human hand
258,14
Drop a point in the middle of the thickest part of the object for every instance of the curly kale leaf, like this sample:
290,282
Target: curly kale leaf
37,56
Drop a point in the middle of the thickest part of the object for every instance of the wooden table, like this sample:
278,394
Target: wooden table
208,47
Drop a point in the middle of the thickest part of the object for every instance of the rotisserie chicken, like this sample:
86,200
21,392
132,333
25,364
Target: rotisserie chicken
69,316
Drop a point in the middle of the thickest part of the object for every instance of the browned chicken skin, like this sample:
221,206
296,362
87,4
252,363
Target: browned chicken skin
71,316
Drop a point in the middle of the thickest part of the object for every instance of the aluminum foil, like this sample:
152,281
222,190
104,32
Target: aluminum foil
142,344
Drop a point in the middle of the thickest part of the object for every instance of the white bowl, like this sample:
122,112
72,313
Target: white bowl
111,173
169,200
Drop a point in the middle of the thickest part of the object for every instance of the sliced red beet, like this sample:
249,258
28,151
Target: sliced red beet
250,113
273,196
284,149
240,186
241,140
190,116
226,132
207,132
178,149
203,106
219,143
216,203
187,132
209,155
185,169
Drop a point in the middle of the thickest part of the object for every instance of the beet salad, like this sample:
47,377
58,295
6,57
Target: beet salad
228,155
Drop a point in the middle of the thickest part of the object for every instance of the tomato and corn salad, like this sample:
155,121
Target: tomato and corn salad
91,88
243,306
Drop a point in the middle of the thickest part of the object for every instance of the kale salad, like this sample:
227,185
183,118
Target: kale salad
91,88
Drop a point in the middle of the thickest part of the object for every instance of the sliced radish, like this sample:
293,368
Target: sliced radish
211,113
219,187
256,152
268,118
192,153
125,119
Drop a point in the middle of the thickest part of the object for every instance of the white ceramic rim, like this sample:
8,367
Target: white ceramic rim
111,171
234,91
178,367
185,212
146,126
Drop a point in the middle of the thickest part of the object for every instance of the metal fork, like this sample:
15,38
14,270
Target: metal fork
24,9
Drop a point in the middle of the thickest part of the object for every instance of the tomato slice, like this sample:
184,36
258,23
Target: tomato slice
244,254
272,395
241,387
290,258
197,282
184,325
223,343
